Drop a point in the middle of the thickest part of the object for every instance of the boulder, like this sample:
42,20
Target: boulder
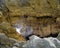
33,42
36,42
34,8
39,15
6,42
58,37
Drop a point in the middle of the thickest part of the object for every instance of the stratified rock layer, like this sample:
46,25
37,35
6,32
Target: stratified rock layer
41,16
32,7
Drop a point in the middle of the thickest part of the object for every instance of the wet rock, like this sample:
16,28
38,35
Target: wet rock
36,42
33,42
6,42
58,37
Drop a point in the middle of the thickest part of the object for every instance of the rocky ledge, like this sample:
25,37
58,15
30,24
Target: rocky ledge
22,18
42,16
33,42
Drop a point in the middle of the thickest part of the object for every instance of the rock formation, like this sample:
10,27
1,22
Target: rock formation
41,16
6,42
33,42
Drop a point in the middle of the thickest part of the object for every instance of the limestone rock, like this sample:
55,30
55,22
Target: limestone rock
6,42
34,8
58,20
10,32
33,42
36,42
58,37
40,15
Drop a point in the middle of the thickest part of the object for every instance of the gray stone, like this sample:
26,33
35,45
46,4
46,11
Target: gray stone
33,42
58,37
36,42
6,42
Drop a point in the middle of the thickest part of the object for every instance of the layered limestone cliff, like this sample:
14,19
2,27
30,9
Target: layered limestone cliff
41,16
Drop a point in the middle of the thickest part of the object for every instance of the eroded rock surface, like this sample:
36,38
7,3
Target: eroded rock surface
36,42
6,42
33,42
41,16
58,37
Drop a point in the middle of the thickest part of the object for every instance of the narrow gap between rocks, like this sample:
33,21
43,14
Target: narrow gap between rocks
51,35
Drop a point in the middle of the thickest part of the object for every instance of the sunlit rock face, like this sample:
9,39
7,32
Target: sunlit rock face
34,7
40,17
